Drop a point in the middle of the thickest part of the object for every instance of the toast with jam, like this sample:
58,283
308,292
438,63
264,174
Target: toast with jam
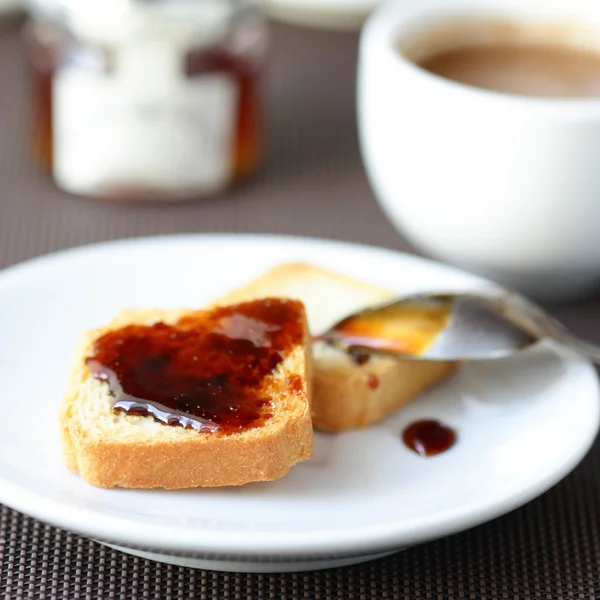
348,391
183,398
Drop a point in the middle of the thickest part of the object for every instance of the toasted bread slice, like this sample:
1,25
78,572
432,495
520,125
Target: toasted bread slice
346,395
114,449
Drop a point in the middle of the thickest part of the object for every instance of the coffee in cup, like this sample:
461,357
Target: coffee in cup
552,61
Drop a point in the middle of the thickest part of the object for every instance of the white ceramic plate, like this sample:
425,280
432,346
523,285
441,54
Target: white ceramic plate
345,15
523,423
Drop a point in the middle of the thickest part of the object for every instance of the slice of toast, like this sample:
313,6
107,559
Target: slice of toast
115,449
346,394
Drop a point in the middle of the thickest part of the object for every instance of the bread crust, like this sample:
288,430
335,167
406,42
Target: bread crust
346,395
117,450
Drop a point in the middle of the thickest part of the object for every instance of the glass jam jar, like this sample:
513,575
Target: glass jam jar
147,99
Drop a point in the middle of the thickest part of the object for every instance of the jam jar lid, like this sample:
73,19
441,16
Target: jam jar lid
114,20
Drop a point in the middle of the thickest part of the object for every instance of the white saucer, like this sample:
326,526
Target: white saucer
523,423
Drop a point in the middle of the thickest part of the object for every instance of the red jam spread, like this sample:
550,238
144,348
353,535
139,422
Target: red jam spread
205,371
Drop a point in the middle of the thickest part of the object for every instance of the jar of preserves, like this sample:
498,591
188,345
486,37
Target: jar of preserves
147,99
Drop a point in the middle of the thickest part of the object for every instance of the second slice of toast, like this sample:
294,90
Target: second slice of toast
346,393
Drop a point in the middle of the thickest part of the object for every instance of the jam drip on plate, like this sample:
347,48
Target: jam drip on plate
206,371
429,437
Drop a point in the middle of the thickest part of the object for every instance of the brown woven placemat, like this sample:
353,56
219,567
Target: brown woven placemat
313,185
550,549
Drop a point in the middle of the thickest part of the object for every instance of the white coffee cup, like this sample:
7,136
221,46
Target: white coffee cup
504,185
